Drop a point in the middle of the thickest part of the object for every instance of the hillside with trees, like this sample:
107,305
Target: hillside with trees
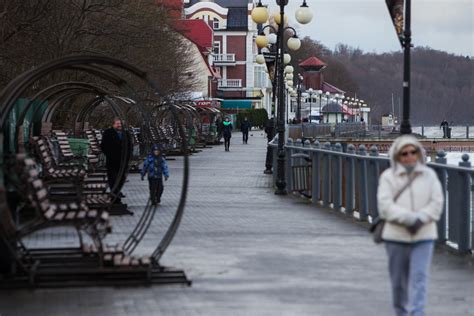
442,83
140,32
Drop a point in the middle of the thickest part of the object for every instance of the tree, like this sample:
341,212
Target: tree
139,32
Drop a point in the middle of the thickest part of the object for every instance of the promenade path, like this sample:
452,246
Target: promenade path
249,252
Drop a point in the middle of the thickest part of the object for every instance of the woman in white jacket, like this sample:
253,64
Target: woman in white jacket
410,222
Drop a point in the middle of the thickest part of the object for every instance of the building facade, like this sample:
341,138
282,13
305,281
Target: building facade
242,82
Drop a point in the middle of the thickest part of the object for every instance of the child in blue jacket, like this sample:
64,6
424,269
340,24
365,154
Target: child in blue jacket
156,167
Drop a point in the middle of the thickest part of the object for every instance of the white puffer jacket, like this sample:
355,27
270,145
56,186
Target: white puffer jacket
423,199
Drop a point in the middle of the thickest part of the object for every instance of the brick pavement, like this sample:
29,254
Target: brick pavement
248,252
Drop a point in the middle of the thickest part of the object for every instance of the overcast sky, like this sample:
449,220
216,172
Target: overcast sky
441,24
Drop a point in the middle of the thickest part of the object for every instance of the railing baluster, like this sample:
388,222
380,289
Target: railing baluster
337,178
288,165
464,207
442,176
316,174
349,169
326,175
373,181
453,199
363,210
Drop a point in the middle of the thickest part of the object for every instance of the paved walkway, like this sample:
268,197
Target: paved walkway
249,252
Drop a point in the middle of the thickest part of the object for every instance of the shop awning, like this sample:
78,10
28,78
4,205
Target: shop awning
236,104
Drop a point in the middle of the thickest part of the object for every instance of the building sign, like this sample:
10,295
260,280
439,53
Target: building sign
208,104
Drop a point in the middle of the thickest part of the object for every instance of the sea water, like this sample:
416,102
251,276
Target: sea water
457,132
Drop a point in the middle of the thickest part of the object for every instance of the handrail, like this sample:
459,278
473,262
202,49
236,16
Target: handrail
348,181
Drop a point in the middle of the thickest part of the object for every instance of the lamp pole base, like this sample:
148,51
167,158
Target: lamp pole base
281,188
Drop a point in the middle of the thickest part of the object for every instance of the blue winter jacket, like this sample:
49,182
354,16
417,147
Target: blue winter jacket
155,166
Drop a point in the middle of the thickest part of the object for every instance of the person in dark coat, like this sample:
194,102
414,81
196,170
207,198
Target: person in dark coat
113,143
156,167
270,131
444,125
219,129
227,133
245,127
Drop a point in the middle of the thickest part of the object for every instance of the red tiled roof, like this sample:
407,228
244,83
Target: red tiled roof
331,89
197,31
312,62
201,35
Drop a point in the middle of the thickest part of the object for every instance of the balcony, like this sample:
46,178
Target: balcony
224,59
229,83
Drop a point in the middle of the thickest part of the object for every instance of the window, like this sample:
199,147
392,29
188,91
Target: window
216,24
216,47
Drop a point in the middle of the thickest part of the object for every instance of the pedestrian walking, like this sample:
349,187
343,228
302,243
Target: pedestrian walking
114,141
445,126
245,127
410,201
219,128
270,131
227,133
156,167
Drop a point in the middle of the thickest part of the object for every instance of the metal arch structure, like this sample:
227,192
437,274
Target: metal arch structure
98,66
212,115
68,90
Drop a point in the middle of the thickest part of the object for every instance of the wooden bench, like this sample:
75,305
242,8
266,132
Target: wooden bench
52,169
63,144
70,213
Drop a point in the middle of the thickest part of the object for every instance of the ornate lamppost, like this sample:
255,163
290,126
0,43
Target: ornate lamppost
327,103
260,15
310,93
299,116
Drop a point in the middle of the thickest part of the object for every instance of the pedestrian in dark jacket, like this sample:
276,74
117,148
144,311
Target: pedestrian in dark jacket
245,126
219,130
227,133
270,131
156,167
114,141
444,125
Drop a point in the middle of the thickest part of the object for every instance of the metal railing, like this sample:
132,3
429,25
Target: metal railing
229,83
350,129
310,130
455,131
224,58
348,181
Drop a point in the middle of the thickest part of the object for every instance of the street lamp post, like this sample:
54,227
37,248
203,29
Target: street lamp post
320,93
327,105
310,92
336,99
303,16
405,126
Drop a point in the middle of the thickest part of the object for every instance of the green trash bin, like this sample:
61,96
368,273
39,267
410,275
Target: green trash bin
79,146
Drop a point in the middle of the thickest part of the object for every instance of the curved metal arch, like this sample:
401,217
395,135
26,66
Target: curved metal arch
84,88
53,106
47,97
84,113
101,72
14,89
